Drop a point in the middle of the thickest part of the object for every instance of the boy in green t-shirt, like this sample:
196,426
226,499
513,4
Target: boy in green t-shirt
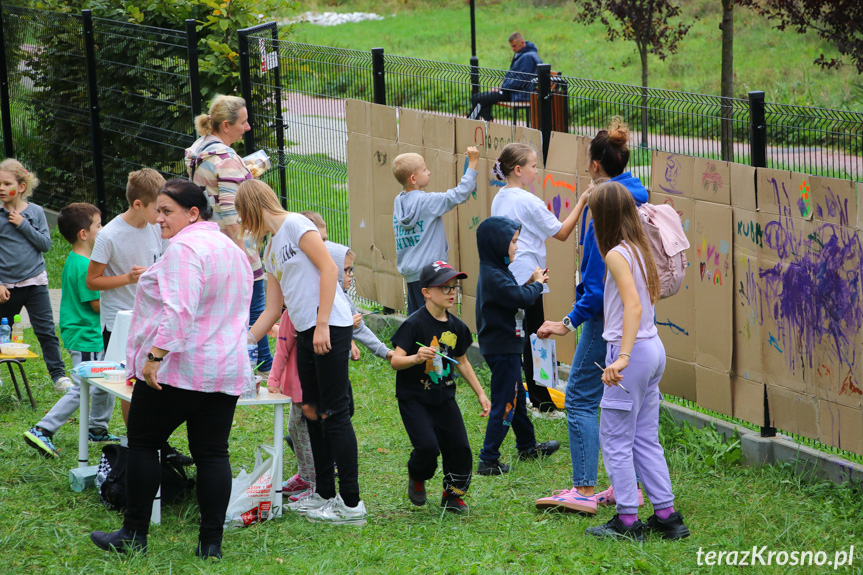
80,330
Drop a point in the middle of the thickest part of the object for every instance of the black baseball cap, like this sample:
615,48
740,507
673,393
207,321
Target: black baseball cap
438,273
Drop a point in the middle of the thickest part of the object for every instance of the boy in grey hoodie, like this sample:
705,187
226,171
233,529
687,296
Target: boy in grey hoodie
419,229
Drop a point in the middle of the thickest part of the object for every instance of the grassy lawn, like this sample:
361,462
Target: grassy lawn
765,59
44,525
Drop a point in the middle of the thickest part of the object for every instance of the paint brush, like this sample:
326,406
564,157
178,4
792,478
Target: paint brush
620,385
437,352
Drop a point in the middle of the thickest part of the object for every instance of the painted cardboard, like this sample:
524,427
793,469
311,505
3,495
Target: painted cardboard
841,426
793,412
468,310
712,181
470,214
778,192
747,399
713,389
532,138
563,153
679,379
834,201
382,122
675,316
410,127
439,132
583,156
497,136
361,213
860,205
357,116
445,179
714,286
380,156
743,186
672,174
748,354
470,133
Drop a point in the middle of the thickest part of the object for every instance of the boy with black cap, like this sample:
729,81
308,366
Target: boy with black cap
429,345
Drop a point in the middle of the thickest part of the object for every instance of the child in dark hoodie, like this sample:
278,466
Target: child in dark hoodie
499,315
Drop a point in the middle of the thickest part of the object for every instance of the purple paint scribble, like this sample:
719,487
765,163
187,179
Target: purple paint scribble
556,203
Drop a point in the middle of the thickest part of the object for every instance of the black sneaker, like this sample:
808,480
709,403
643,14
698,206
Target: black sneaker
616,529
540,450
492,467
208,550
416,491
121,541
454,504
671,528
169,454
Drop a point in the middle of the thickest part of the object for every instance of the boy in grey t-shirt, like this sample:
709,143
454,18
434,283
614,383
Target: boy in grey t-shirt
417,223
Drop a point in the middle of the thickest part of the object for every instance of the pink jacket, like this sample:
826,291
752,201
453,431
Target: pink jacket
283,375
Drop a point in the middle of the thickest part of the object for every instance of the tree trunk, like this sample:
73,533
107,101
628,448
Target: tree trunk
642,51
727,132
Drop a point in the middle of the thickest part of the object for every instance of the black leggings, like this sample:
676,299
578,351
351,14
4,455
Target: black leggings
153,417
325,383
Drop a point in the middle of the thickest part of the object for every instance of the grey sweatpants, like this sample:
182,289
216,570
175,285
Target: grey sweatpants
101,402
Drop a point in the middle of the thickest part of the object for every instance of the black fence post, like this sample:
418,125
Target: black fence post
474,75
5,106
194,77
757,130
280,124
380,87
93,96
246,86
544,76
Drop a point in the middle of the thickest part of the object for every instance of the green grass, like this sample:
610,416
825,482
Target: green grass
765,59
44,525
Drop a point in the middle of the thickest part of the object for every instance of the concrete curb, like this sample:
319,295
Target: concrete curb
756,450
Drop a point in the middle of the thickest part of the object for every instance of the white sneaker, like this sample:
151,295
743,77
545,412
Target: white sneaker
62,384
314,501
337,513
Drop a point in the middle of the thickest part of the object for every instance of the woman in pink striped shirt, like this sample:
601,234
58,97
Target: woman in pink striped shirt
188,352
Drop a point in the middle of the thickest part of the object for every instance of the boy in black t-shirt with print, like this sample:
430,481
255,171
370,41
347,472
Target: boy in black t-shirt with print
429,346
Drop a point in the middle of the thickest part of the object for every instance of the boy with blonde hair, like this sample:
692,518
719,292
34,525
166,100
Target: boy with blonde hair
419,229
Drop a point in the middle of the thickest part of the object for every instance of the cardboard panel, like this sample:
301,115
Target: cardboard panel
713,389
446,179
742,186
779,193
361,214
747,358
675,316
380,156
470,133
793,412
834,201
532,138
404,148
410,127
860,206
583,155
497,136
470,214
841,426
390,291
357,116
439,132
382,122
563,153
364,280
712,181
714,285
672,174
678,379
748,233
747,398
468,311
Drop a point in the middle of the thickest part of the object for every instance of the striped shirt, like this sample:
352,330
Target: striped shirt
194,302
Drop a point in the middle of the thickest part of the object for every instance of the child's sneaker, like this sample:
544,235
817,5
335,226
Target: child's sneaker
41,441
294,485
337,513
417,491
492,467
606,497
62,384
569,500
307,493
539,450
102,436
671,528
616,529
454,504
306,504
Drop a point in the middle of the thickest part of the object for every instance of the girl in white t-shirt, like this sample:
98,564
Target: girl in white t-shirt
517,165
629,424
302,275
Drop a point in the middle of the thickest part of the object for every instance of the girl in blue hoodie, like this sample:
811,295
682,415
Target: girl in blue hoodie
608,156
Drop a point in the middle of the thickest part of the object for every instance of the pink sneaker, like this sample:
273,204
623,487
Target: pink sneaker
302,495
606,497
295,485
568,500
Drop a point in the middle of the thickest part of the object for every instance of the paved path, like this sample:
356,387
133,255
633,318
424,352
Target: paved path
55,307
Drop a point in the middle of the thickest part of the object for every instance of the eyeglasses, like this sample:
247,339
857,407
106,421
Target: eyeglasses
446,290
349,271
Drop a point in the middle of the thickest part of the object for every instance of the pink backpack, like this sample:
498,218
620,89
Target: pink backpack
668,244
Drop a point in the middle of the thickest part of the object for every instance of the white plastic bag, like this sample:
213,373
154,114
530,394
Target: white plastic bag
253,494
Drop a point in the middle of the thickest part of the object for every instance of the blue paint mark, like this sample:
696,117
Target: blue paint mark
686,225
774,343
723,247
497,183
675,329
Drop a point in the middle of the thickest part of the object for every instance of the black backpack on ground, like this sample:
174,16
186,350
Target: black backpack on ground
111,478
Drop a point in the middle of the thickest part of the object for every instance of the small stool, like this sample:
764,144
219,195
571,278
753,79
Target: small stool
10,361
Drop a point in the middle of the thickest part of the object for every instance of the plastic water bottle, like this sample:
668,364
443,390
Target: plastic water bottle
17,330
5,331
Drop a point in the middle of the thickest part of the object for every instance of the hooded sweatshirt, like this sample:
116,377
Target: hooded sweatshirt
518,81
362,333
419,229
589,293
499,297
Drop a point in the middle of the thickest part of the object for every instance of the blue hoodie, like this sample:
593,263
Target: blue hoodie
518,81
499,297
589,293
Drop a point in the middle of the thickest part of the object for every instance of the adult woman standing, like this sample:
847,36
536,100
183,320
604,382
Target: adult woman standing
212,162
188,352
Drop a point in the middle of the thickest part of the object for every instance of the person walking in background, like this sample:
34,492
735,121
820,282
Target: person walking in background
517,84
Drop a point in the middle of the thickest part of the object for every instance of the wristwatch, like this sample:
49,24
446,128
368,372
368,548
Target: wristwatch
151,357
567,323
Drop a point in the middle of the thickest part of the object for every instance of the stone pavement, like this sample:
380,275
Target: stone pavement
55,307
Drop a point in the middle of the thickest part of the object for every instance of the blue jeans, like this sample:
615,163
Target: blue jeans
507,394
256,308
583,394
